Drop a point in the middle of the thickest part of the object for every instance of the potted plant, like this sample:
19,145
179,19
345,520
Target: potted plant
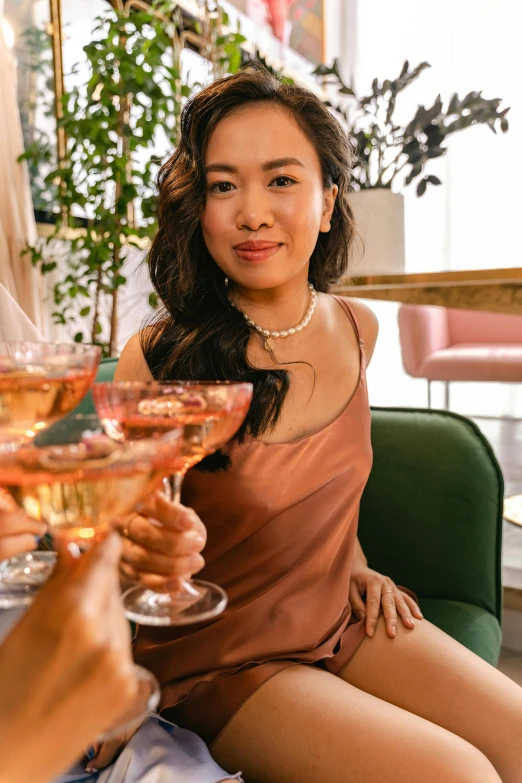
103,187
391,156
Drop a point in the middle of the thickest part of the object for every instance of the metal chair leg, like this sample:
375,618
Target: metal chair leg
429,394
447,396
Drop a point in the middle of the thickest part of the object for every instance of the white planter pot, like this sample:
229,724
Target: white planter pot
379,217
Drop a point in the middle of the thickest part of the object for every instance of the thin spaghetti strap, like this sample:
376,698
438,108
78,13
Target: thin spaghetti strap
353,318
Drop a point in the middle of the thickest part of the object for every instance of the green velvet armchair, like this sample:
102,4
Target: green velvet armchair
431,518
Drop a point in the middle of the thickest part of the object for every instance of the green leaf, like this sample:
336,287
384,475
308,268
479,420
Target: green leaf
153,301
421,187
85,311
78,337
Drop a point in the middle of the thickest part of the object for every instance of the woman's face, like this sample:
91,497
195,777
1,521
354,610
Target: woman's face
265,200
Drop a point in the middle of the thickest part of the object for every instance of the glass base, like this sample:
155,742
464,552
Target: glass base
143,705
22,576
198,602
9,446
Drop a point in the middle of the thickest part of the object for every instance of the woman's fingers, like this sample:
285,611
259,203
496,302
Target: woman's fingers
389,609
172,515
10,546
131,576
13,523
404,610
373,606
18,532
412,605
161,544
153,562
157,538
357,602
106,753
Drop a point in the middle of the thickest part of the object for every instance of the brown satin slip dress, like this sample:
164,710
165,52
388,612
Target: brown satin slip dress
282,524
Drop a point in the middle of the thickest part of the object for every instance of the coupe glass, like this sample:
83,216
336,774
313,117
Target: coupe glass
39,384
210,414
77,480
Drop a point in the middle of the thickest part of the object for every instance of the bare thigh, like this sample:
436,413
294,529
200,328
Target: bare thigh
428,673
306,726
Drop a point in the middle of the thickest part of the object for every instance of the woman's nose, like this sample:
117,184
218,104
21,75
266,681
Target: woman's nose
254,210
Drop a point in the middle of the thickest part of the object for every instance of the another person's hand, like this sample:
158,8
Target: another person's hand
18,532
66,670
371,593
161,544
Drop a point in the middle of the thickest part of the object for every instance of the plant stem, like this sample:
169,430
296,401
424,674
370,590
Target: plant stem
390,164
96,304
114,312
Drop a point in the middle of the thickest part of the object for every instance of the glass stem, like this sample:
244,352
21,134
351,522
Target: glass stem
176,482
172,489
172,486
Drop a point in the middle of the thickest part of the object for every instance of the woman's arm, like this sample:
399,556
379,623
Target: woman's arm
368,326
358,556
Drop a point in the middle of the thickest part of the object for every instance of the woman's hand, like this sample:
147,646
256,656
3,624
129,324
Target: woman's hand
107,752
66,669
380,592
161,544
18,532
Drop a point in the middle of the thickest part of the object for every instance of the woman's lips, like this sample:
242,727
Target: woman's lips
257,251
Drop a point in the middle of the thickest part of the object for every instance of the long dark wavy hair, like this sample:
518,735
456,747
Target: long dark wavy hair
197,334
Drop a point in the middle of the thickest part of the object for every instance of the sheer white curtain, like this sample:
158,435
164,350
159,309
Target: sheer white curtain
17,225
14,324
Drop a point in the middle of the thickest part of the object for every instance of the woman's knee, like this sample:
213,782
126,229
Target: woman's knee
472,766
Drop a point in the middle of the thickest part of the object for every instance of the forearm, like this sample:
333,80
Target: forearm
359,557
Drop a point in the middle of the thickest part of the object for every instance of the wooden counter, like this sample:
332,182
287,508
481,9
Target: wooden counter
496,290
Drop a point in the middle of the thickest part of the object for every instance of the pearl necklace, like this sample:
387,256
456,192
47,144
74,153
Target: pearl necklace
268,344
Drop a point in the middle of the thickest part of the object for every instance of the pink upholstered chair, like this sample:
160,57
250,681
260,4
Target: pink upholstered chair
447,345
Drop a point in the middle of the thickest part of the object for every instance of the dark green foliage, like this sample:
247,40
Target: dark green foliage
384,148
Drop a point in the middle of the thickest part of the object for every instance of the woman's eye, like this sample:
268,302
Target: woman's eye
221,187
283,182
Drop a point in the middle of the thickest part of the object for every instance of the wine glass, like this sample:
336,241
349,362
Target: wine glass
39,384
77,480
210,414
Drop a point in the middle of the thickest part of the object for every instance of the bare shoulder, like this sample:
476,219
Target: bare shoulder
368,325
131,364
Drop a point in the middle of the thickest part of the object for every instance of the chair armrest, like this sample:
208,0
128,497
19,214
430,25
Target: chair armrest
431,514
422,330
105,372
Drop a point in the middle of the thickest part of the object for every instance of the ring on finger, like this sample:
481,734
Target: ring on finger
126,530
387,591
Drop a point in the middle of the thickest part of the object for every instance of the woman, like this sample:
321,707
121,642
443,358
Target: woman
294,683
